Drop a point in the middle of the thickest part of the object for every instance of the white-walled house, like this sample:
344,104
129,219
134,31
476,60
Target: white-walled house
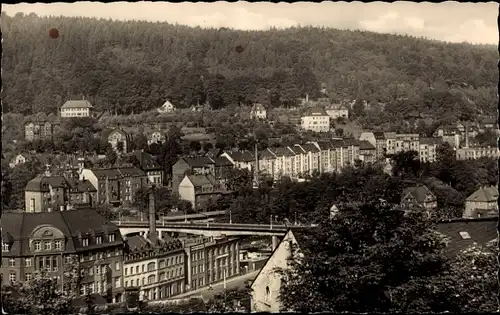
17,160
78,108
167,107
337,111
266,286
258,111
315,119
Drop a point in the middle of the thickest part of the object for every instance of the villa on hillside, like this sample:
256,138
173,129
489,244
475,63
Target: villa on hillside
167,107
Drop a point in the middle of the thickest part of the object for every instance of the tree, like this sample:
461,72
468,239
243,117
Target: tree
195,146
229,301
368,259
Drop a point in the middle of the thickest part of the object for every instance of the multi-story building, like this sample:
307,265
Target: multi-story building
428,149
472,153
315,119
380,144
119,140
50,241
324,160
210,259
38,130
148,165
78,108
115,185
82,192
367,152
258,111
312,157
483,202
200,190
241,159
222,168
337,111
405,143
285,161
392,142
155,266
267,163
195,165
301,166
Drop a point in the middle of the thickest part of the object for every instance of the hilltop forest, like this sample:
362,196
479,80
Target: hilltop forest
134,66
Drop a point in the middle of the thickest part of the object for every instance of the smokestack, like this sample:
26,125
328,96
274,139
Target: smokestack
466,136
256,170
152,216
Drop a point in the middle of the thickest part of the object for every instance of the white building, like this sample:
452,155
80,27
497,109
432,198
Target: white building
80,108
167,107
337,111
315,119
258,111
17,160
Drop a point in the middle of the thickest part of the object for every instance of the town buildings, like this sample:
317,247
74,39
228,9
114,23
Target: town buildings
473,152
337,111
115,185
483,202
315,119
258,111
148,165
38,130
428,149
156,137
201,190
241,159
76,109
367,152
50,241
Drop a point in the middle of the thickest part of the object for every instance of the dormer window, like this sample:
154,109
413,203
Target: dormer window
98,240
57,245
5,247
47,245
85,242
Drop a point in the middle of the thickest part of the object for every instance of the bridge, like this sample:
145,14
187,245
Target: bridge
206,229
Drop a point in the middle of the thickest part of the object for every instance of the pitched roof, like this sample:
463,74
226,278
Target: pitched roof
366,145
297,149
198,161
41,183
199,180
77,104
222,161
323,145
131,171
480,231
484,194
258,107
78,186
315,111
242,156
430,141
71,223
419,193
282,151
309,147
146,160
266,154
379,135
110,173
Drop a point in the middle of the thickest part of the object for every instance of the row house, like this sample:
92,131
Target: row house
267,164
428,149
472,153
285,161
312,158
54,242
115,185
241,159
154,266
219,167
38,130
405,142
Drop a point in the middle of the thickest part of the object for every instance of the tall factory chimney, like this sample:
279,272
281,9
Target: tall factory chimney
152,216
256,170
466,135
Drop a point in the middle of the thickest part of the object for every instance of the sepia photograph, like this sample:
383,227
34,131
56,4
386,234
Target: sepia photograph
245,157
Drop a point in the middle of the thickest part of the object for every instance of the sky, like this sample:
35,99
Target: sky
447,21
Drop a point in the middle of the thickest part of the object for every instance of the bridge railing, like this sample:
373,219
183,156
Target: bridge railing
205,225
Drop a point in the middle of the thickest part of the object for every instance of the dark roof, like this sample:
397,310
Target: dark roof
484,194
77,104
198,161
131,171
110,173
266,154
418,192
222,161
41,183
323,145
146,160
71,223
336,144
366,145
242,156
107,132
282,151
297,149
199,180
379,135
309,147
430,140
481,231
78,186
315,111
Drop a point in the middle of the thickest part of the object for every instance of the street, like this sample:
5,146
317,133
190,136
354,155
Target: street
232,283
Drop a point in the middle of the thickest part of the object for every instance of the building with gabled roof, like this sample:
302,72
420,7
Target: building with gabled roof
285,160
267,284
50,241
418,197
483,202
147,163
241,159
200,190
315,119
167,107
118,138
76,109
18,159
258,111
337,111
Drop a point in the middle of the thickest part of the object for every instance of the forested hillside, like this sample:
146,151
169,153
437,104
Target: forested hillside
134,66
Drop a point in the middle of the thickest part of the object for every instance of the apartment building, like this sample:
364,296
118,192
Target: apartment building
315,119
285,161
473,152
38,130
405,142
428,149
148,165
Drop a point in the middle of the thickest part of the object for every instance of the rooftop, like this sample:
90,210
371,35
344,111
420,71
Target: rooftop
77,104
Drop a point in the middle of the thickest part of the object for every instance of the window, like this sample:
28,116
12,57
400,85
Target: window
28,277
131,283
126,271
268,293
98,240
117,282
37,246
97,270
111,238
151,279
5,247
117,265
57,245
162,264
143,281
27,262
143,268
12,277
54,264
12,262
126,283
85,242
161,276
151,266
136,269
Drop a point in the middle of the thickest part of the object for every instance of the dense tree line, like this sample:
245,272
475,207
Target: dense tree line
127,67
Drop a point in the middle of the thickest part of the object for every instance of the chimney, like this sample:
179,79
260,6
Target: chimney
152,216
466,136
307,97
